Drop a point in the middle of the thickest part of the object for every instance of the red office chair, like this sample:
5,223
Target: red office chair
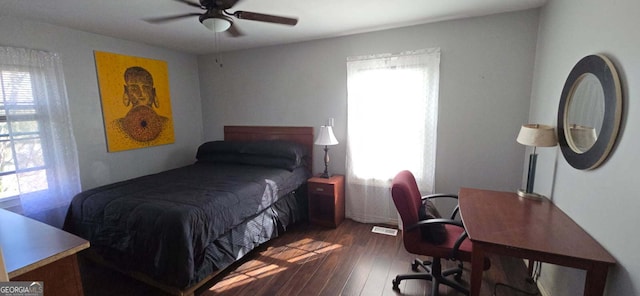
455,246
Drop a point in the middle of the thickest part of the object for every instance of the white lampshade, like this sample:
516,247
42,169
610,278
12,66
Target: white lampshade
219,23
326,137
537,135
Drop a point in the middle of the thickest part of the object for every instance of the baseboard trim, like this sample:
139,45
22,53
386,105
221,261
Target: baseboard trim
542,290
372,219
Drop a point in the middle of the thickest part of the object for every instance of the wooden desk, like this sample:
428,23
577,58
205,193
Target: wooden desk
503,223
34,251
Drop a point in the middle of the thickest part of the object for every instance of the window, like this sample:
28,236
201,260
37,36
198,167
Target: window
392,114
38,158
20,145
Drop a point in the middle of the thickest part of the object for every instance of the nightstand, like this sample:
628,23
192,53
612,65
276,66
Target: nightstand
326,200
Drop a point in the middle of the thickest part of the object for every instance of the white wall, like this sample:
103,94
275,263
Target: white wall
603,201
97,166
486,73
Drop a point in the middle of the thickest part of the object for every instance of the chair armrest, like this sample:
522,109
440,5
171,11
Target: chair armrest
439,195
436,221
455,212
456,246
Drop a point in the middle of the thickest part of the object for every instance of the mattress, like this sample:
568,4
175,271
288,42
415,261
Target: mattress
180,225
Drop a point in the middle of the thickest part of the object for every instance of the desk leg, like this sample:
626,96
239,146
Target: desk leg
596,280
477,266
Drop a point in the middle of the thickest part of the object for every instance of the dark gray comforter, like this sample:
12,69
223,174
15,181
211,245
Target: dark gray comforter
169,225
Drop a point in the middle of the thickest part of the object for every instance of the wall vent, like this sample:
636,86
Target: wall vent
384,230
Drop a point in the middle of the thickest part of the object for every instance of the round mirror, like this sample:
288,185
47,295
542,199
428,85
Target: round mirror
589,113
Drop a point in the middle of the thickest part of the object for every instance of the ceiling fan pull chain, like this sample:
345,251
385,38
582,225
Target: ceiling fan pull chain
217,52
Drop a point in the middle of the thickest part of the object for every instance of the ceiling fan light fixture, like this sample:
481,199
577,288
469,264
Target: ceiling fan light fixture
219,23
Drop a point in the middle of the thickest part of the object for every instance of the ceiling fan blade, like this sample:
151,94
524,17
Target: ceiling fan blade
163,19
234,32
189,3
246,15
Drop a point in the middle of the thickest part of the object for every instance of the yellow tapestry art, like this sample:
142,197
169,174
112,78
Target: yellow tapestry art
136,106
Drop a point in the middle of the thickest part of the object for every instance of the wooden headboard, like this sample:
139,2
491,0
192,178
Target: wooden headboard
298,134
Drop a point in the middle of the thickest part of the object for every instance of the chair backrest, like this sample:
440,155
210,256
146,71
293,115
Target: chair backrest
4,277
407,198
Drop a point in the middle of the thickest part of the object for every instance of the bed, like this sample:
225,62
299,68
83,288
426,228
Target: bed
177,229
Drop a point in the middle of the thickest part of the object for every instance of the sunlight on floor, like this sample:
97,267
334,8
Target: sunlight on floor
277,259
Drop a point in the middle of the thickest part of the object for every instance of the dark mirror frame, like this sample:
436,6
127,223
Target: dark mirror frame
604,70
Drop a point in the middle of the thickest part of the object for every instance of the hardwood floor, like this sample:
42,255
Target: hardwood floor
312,260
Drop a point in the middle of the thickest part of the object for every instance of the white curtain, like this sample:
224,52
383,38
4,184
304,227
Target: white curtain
38,157
392,115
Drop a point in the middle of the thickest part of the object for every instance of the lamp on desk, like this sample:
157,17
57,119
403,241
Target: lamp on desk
326,138
536,135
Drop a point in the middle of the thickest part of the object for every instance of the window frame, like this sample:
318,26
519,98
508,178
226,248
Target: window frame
32,114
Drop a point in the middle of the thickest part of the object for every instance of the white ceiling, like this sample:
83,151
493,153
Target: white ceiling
317,18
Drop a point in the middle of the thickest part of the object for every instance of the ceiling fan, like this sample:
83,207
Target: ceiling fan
218,19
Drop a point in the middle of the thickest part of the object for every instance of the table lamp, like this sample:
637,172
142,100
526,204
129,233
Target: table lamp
326,138
536,135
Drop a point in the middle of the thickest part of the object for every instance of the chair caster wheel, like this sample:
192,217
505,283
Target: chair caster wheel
458,275
396,284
